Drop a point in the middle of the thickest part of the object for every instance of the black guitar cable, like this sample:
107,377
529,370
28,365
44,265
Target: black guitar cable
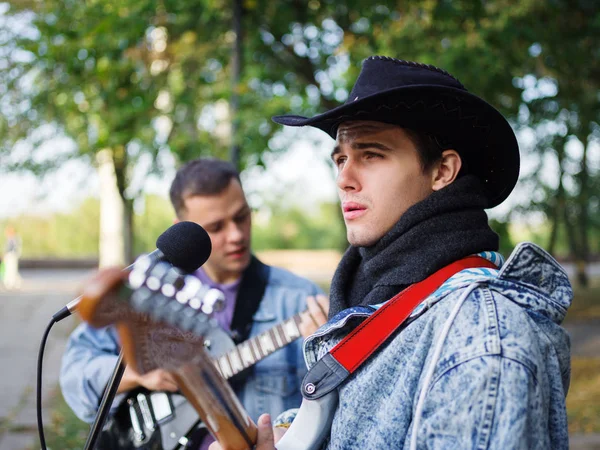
38,402
57,317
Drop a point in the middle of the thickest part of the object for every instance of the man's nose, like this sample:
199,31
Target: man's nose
235,232
347,179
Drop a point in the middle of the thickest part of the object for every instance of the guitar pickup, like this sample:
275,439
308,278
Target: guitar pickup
138,433
146,413
161,406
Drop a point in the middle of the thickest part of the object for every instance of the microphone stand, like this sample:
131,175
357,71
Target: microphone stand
105,403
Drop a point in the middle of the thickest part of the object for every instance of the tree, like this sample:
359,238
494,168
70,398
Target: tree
139,78
144,77
563,107
104,74
538,62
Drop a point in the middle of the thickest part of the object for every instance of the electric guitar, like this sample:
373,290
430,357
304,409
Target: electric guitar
164,321
162,420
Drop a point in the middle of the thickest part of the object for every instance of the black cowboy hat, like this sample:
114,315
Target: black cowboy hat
428,99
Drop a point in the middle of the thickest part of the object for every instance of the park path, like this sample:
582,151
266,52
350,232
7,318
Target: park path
24,316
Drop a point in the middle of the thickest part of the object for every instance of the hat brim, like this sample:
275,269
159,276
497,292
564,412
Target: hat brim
481,135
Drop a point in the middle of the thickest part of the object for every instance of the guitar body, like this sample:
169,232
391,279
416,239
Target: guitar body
311,425
119,434
163,320
173,418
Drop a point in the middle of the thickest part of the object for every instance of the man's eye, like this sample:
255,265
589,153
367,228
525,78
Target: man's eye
242,217
340,160
370,155
214,228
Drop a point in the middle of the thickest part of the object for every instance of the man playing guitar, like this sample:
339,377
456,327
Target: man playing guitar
258,297
481,360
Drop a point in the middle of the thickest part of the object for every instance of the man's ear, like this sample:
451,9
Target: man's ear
446,170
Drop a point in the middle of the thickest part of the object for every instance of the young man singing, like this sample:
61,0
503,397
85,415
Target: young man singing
482,362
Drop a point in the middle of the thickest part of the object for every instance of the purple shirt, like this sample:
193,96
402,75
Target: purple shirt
224,317
230,290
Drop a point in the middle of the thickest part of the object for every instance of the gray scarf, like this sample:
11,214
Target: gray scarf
448,225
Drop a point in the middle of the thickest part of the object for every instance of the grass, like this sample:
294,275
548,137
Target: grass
586,302
583,401
64,431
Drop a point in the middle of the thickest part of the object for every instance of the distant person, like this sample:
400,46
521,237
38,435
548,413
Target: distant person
258,297
10,261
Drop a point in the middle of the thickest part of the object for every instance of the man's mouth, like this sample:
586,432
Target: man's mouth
353,210
237,253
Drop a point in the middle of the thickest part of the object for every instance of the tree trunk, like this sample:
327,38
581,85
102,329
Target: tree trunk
583,214
554,230
121,163
236,69
570,229
559,204
115,211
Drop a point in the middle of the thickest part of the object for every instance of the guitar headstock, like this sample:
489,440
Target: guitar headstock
162,316
161,313
168,295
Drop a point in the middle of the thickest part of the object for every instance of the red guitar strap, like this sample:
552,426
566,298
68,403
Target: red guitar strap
356,348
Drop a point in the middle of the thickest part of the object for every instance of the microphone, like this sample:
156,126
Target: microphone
185,245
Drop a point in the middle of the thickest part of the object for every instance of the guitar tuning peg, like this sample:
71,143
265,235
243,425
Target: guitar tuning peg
136,279
191,286
155,278
141,300
171,282
213,301
142,264
195,303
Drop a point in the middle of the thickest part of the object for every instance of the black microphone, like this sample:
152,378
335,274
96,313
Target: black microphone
185,245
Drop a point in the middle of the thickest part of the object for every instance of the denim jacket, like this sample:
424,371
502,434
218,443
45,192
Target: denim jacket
273,386
482,363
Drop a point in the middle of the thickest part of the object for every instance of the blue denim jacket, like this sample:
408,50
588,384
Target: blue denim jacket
481,364
273,387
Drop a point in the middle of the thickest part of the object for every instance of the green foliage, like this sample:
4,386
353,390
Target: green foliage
294,229
583,400
586,303
560,102
506,243
76,234
65,431
107,74
73,234
157,215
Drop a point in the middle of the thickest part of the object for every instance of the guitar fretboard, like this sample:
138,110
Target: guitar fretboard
259,347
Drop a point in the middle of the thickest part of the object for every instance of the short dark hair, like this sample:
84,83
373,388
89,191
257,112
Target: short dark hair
431,147
202,176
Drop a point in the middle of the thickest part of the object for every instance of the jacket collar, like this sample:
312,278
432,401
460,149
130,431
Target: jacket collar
531,269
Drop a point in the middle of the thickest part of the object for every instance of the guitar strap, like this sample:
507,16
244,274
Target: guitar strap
347,356
250,293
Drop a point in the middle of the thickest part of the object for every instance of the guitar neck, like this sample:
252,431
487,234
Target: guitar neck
255,349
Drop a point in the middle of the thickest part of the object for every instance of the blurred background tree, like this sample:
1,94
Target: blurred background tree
148,78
